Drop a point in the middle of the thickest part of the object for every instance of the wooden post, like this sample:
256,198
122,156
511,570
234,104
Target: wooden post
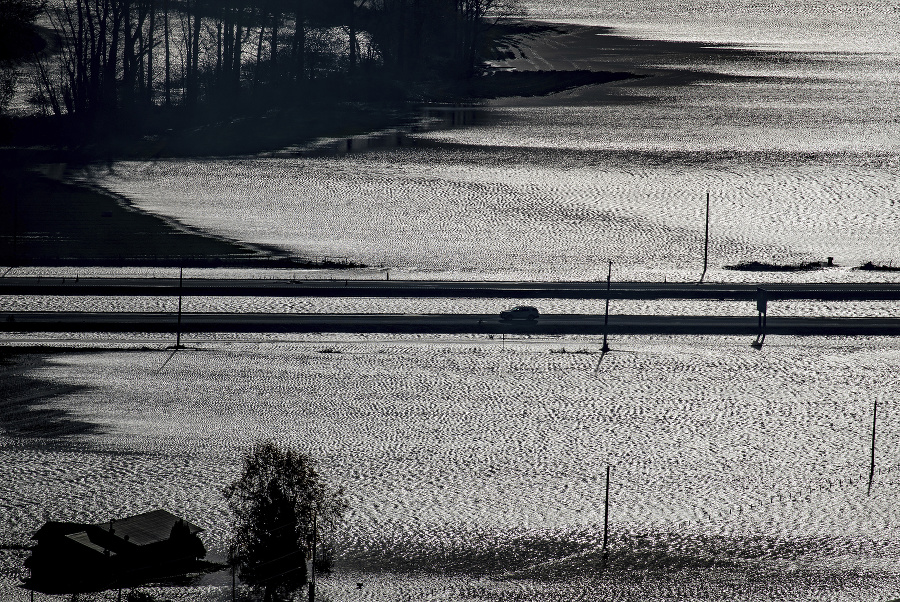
706,243
762,305
180,284
605,347
872,463
606,513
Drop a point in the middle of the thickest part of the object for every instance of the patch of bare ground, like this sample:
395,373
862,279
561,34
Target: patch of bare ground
761,266
874,267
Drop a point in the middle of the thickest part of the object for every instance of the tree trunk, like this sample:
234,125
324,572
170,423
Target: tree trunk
151,48
298,48
218,72
195,56
112,61
227,46
168,61
139,70
92,91
351,25
273,43
401,50
236,57
259,47
128,58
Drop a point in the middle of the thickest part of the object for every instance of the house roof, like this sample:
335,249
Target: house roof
84,539
146,528
140,529
54,528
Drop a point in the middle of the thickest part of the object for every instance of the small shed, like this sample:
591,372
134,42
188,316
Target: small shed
126,552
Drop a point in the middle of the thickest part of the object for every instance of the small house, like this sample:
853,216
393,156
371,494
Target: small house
77,557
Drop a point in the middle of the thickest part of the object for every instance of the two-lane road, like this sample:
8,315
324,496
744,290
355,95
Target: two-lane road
437,323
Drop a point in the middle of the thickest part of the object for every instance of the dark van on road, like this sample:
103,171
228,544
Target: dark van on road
521,312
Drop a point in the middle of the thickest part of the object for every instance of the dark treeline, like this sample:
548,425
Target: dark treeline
121,57
18,40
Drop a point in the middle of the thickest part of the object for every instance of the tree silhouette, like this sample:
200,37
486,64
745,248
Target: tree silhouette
16,33
18,40
281,507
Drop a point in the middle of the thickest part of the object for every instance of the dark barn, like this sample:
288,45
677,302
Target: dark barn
77,557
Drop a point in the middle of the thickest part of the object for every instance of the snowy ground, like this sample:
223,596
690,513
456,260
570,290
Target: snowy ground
475,466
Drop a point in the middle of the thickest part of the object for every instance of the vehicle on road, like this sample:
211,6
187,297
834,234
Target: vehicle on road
520,312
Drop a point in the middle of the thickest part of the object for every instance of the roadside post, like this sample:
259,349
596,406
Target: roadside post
606,514
762,303
605,348
706,243
872,462
604,558
180,289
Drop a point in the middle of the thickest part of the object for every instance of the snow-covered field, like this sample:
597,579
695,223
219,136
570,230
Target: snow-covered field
537,215
475,467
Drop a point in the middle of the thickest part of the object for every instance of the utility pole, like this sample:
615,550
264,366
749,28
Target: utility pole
180,285
762,308
872,463
706,244
606,514
605,347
